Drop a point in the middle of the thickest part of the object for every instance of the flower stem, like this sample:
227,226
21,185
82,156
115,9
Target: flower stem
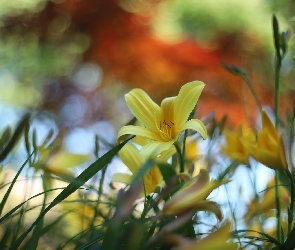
181,160
250,86
277,99
280,49
277,89
278,205
290,213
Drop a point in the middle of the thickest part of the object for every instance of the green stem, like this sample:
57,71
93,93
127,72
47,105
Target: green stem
184,143
246,79
181,160
278,64
290,213
101,182
277,89
278,205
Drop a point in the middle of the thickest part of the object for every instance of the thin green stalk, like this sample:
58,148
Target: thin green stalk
250,86
277,89
244,75
290,213
291,136
101,182
181,160
184,143
278,205
277,99
278,63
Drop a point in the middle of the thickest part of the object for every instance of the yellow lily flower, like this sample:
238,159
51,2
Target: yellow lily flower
58,163
215,241
192,196
234,147
266,203
134,159
163,124
269,148
193,158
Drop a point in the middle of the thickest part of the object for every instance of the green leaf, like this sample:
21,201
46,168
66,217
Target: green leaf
15,137
270,239
5,136
235,70
2,204
6,216
37,232
5,237
167,171
276,35
73,186
290,242
285,180
145,167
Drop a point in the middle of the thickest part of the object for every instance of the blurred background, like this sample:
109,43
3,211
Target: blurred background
72,61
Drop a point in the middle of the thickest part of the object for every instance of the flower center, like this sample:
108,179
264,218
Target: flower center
167,129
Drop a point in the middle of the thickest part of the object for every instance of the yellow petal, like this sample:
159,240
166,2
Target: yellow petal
65,160
215,241
153,149
123,178
140,131
167,107
209,206
282,154
184,200
130,156
267,124
186,101
270,159
143,107
165,155
195,125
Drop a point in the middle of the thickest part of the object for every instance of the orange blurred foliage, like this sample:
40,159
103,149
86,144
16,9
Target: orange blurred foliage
126,49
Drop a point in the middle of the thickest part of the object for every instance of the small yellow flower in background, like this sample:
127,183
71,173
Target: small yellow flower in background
214,241
234,147
58,163
80,215
269,148
191,150
193,158
266,203
134,159
163,124
193,196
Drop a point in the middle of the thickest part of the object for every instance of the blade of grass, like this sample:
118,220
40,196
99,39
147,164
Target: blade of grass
16,135
37,232
4,200
73,186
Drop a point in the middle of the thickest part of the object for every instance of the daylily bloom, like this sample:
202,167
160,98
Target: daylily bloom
193,158
193,196
163,124
234,147
267,203
58,163
134,159
214,241
269,148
